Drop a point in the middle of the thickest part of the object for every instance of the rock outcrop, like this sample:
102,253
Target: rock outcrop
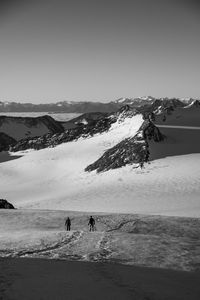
159,106
84,119
51,140
82,129
6,141
129,151
5,204
195,104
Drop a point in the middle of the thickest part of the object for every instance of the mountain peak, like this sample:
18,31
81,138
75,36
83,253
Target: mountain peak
194,103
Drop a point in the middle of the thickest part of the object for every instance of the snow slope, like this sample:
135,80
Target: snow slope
54,178
153,241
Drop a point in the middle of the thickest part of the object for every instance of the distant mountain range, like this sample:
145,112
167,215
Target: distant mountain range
85,107
21,133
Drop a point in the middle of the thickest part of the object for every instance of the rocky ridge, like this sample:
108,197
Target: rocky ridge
4,204
194,103
6,141
83,106
82,130
129,151
52,140
166,106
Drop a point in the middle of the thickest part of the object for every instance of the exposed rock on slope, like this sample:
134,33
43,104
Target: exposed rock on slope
84,119
151,132
51,140
182,116
6,141
83,129
159,106
5,204
22,127
129,151
194,103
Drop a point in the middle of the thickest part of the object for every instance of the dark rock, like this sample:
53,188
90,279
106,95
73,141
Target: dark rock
96,125
84,119
128,151
6,141
5,204
53,125
151,132
51,140
162,105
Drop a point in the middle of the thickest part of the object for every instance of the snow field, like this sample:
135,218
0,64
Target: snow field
54,178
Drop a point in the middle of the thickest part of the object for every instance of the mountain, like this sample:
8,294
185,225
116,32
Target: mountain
188,115
85,106
62,106
4,204
194,103
159,106
86,125
130,150
135,102
44,131
134,149
123,163
18,128
84,119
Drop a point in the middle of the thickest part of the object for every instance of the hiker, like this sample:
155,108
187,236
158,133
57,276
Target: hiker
146,159
68,223
91,223
141,164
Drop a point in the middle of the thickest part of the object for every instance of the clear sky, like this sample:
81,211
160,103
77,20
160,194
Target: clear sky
98,50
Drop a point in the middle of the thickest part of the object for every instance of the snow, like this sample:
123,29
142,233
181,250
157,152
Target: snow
192,104
83,121
54,178
153,241
158,110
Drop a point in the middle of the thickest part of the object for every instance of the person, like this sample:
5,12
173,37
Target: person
146,159
91,223
68,223
141,163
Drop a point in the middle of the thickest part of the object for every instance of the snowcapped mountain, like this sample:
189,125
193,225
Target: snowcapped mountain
194,103
86,125
136,101
104,165
179,115
55,177
61,106
85,106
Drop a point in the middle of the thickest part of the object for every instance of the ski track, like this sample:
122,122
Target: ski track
103,253
121,225
67,248
66,241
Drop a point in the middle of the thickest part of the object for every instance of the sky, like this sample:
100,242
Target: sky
88,50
